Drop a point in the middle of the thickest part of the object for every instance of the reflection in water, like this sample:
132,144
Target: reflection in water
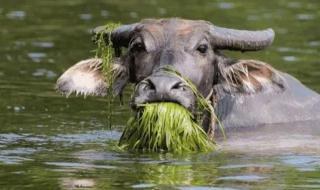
49,142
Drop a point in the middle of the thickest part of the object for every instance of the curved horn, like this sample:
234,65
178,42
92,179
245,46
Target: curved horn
243,40
121,36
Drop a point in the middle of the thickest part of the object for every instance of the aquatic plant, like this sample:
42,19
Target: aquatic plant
106,53
164,126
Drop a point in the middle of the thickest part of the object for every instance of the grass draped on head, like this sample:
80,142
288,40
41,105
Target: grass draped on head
105,52
164,127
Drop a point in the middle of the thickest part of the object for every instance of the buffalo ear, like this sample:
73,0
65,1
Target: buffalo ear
83,78
86,78
251,76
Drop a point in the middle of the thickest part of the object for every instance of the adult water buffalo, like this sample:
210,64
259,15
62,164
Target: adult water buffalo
247,93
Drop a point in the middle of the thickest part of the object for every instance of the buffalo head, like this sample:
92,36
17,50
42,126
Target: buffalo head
192,48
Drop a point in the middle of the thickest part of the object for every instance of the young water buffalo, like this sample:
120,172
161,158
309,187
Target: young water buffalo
247,94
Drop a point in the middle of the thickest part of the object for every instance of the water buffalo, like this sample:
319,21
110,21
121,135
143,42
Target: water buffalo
246,93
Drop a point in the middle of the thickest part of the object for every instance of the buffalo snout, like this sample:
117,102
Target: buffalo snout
163,87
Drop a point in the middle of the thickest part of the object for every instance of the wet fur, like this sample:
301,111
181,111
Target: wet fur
249,77
86,78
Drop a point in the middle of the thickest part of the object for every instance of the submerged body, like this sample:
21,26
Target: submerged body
293,103
274,139
270,122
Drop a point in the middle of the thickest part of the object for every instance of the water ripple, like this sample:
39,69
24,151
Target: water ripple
16,15
37,56
225,5
44,72
85,16
302,162
244,178
43,44
79,165
205,188
294,5
305,17
13,159
290,58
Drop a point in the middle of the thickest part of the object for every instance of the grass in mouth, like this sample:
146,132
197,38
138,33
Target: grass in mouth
164,127
203,104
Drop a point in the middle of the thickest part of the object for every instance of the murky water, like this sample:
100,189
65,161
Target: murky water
49,142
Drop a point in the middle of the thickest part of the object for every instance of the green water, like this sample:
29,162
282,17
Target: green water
50,142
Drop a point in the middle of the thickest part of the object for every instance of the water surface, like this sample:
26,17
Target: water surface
50,142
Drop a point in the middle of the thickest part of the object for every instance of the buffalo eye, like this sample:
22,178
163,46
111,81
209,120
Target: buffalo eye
137,46
203,48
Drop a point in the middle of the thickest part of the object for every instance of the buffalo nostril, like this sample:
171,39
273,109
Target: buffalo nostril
179,86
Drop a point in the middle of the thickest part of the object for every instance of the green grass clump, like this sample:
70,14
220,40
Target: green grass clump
203,104
164,127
